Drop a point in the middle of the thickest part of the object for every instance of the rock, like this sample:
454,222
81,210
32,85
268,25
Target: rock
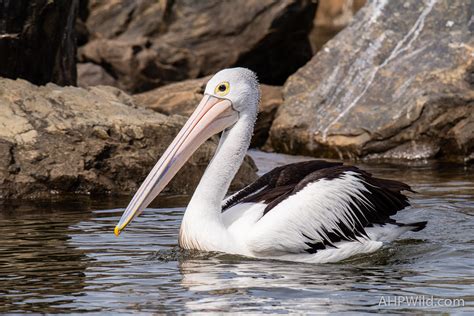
176,98
146,44
271,99
89,74
82,33
331,17
37,41
65,139
396,83
183,97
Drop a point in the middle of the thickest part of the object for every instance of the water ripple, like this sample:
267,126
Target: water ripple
63,257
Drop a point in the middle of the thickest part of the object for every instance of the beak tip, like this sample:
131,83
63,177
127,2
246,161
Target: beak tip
117,231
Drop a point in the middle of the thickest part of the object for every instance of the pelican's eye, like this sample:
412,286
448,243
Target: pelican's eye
222,88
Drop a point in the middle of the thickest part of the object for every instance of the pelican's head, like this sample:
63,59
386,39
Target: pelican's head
229,95
239,86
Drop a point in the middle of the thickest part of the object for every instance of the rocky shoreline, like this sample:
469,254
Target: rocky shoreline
396,84
57,140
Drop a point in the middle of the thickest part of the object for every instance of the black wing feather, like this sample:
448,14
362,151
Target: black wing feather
381,199
277,183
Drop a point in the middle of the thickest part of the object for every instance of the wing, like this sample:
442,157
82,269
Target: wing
276,184
329,204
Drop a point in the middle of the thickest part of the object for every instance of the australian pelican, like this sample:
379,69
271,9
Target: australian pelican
313,211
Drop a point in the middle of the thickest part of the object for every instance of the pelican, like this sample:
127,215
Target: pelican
313,211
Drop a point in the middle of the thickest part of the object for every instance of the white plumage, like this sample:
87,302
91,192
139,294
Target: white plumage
313,211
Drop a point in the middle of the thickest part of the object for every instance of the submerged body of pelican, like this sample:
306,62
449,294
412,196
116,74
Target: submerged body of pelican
313,211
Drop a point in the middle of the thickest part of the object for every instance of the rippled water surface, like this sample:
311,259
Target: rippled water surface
62,256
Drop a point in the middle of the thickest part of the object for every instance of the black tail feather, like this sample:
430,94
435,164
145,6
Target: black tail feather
417,226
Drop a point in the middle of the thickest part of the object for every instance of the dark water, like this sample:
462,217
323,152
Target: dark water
62,256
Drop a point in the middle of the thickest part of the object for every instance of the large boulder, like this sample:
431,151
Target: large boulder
65,139
182,98
397,83
148,43
37,40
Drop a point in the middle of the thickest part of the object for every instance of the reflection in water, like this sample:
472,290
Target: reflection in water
39,269
280,287
226,283
63,257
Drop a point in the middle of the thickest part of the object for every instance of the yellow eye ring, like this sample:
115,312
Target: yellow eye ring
222,88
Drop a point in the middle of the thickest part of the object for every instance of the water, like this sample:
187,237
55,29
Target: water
61,256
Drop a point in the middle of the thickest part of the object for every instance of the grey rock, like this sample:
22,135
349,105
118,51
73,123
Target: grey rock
396,83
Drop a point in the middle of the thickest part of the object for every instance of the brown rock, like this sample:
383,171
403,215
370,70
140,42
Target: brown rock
176,98
331,17
90,74
396,83
271,99
93,141
183,97
37,41
148,43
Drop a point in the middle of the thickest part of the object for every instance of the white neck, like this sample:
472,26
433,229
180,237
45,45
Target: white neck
202,227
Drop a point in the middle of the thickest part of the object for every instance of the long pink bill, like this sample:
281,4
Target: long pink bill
212,116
